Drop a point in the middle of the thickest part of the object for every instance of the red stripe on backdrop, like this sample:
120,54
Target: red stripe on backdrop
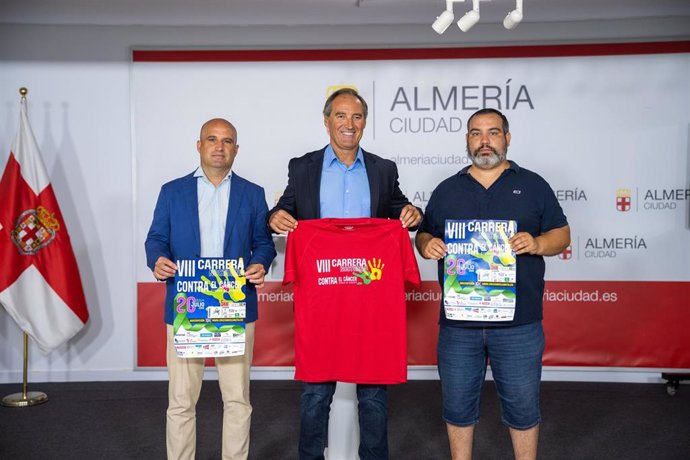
274,341
531,51
587,323
150,325
617,324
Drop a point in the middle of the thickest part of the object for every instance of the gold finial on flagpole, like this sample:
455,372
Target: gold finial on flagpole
23,92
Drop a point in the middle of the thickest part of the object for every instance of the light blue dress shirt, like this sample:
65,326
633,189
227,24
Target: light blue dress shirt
213,211
344,189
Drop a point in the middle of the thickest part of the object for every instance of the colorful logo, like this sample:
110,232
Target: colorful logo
373,274
623,200
34,229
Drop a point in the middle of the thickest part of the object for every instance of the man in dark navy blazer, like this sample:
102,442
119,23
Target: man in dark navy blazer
342,180
211,212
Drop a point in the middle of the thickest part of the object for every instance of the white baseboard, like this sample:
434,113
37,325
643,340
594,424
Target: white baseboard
556,374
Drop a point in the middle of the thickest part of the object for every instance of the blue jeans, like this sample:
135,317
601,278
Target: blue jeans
373,420
515,354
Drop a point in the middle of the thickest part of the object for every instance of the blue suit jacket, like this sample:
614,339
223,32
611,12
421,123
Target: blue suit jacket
301,198
174,232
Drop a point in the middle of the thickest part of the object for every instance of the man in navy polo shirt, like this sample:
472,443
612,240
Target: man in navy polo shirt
494,188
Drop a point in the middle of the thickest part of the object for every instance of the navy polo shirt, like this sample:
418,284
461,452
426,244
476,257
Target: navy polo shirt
518,194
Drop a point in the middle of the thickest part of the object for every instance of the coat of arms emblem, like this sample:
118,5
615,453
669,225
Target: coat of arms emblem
567,253
623,200
34,229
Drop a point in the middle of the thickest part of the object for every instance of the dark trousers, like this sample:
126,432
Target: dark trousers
373,420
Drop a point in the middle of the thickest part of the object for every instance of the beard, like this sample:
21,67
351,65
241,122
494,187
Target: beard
486,161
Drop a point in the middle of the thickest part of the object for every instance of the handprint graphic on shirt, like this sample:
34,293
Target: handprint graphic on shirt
364,275
375,269
224,287
373,274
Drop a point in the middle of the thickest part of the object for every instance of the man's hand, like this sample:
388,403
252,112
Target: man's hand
547,244
282,222
430,247
410,216
255,273
524,243
164,269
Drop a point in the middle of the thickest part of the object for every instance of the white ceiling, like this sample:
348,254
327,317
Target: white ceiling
319,12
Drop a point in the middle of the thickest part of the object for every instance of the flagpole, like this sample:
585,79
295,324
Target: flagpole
25,398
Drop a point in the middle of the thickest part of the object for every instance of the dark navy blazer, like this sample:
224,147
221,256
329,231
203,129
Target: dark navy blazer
301,198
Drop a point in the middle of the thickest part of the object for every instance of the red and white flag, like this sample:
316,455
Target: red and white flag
40,285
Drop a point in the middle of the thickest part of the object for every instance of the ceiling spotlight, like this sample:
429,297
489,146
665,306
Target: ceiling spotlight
446,18
514,17
470,18
443,21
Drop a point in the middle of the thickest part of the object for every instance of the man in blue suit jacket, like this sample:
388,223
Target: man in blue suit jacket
211,212
342,180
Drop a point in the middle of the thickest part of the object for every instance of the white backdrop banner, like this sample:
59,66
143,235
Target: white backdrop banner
609,133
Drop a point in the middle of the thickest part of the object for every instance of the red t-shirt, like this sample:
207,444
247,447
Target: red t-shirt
350,315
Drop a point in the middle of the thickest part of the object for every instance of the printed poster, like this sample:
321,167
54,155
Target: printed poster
479,270
210,308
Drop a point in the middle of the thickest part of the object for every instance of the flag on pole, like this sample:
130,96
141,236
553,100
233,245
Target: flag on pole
40,285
